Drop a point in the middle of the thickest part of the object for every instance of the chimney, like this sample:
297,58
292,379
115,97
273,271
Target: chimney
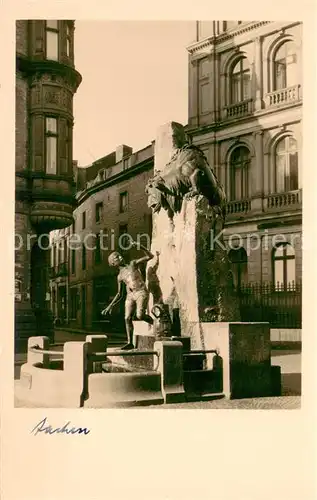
122,152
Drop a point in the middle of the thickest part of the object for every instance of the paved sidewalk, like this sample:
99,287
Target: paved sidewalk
280,403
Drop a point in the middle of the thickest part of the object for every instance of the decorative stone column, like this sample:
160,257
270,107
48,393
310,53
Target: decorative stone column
258,73
258,174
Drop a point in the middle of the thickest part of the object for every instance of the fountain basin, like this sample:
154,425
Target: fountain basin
125,389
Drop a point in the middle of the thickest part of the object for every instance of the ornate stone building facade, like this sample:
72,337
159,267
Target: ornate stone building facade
245,112
46,81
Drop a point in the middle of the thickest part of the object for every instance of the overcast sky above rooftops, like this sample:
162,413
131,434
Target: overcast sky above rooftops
135,78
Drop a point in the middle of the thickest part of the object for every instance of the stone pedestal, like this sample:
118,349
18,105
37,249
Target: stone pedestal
193,271
245,355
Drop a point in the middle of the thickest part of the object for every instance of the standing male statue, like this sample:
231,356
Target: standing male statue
137,293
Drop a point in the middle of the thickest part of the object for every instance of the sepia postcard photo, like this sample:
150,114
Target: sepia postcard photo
166,270
158,257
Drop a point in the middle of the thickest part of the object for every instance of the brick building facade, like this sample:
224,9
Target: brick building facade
111,204
46,81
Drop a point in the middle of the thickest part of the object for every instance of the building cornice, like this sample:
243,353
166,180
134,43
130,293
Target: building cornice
266,221
54,197
28,174
121,176
223,124
227,35
29,67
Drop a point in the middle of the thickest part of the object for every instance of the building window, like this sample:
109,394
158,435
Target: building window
123,202
285,66
239,265
84,220
56,254
65,249
83,257
99,208
68,40
239,173
54,302
68,139
73,261
240,81
52,40
73,303
286,165
53,255
284,267
51,145
61,251
204,91
124,237
97,250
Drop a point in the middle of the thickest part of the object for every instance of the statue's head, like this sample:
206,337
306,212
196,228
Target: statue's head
179,135
115,259
155,195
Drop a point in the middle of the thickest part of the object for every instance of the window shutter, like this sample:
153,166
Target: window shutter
37,151
63,146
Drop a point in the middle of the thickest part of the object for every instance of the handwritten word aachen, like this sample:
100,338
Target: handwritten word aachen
42,426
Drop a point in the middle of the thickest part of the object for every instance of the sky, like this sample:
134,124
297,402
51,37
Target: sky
135,78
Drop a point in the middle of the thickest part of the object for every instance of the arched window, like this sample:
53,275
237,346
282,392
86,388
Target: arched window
240,81
239,265
284,267
286,165
239,173
285,66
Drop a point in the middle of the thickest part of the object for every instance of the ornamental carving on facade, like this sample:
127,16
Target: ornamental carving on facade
56,207
52,97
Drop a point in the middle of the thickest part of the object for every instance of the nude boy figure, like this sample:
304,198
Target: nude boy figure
137,293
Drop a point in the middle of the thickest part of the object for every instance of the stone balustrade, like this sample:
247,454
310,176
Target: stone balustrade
239,206
239,109
283,96
280,200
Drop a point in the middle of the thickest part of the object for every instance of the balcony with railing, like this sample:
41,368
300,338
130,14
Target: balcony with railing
283,97
240,109
238,207
280,201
